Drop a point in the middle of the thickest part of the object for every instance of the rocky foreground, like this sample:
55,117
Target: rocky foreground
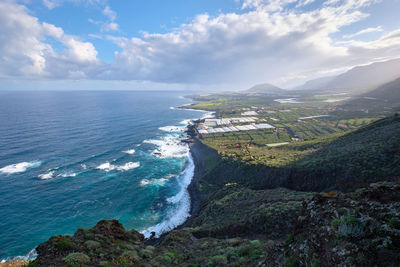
332,229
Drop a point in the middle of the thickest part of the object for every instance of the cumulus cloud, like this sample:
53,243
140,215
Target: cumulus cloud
24,52
269,42
274,41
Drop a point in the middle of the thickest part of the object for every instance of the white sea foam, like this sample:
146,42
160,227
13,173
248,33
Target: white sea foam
157,182
20,167
180,203
68,174
84,166
172,128
28,257
110,167
47,176
129,151
169,146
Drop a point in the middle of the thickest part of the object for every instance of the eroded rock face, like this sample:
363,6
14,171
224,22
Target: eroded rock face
355,229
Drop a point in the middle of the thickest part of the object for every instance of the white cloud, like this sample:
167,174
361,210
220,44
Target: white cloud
109,13
269,41
24,52
263,44
110,25
364,31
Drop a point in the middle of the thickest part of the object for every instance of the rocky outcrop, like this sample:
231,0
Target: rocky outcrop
106,244
355,229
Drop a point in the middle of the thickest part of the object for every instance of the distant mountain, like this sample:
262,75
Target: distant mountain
359,79
389,92
265,89
315,84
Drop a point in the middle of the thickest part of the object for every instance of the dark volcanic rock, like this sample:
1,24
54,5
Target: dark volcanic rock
355,229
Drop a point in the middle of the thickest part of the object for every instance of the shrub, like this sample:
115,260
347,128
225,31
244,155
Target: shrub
335,222
64,244
350,226
33,263
76,259
394,222
219,260
289,239
342,211
290,262
147,252
90,244
133,255
244,251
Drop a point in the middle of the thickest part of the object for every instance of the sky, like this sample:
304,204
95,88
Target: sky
194,45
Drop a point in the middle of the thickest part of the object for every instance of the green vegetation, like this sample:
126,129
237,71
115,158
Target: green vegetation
76,259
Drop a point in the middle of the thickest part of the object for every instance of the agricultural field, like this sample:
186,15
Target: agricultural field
308,120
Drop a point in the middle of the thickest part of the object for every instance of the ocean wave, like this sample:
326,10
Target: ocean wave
20,167
172,128
46,176
180,208
110,167
157,182
28,257
68,174
129,151
169,146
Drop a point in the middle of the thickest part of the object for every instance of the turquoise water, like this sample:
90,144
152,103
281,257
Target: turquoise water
70,159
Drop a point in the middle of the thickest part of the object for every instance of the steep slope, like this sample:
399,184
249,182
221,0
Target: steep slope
315,84
341,162
357,80
389,92
367,155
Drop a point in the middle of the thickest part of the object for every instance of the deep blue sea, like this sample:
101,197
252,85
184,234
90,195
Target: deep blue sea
70,159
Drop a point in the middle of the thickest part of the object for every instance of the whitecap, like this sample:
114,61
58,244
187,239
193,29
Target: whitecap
110,167
156,182
84,166
169,146
46,176
68,174
20,167
180,208
129,151
28,257
172,128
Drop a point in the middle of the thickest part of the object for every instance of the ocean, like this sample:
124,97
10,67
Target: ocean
70,159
